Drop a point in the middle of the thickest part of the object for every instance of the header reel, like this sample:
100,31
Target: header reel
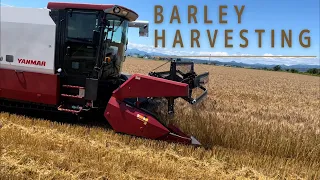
184,72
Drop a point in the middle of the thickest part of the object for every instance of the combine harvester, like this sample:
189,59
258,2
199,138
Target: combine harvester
68,58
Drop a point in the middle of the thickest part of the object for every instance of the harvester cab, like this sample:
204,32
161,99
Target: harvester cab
73,64
91,45
94,40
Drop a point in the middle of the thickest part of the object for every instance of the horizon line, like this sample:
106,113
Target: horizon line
244,56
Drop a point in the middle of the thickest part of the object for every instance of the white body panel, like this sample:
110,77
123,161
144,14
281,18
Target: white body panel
27,35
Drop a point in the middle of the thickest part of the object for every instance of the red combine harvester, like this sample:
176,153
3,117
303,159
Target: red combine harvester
68,58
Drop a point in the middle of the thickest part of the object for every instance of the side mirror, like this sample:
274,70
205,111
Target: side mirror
143,27
96,38
143,31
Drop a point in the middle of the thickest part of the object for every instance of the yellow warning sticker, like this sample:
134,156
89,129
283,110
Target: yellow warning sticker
144,119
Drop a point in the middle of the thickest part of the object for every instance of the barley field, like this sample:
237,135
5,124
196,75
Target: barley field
254,124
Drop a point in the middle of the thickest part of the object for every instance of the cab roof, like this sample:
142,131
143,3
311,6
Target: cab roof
131,16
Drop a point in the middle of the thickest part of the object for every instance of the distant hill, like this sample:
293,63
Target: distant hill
136,51
299,67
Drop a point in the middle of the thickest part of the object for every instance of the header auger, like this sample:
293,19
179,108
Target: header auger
68,58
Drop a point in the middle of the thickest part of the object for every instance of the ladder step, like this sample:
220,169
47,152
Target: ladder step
72,96
72,87
60,108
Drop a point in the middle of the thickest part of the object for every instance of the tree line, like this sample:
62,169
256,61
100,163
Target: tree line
312,71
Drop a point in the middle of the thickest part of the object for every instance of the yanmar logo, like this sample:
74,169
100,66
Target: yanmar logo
32,62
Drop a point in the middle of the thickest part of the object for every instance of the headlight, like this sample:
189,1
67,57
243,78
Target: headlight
116,9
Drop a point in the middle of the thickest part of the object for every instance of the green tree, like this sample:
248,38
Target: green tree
313,71
294,70
277,68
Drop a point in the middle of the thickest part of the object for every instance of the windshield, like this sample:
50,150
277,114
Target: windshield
116,29
81,25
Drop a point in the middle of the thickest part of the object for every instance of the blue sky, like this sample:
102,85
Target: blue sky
267,15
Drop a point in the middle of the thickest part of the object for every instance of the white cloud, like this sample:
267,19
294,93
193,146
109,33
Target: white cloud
244,59
2,4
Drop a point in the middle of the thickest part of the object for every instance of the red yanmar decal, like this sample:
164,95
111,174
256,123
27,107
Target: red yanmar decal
32,62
